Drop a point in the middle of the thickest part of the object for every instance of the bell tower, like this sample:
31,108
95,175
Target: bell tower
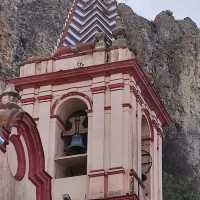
99,118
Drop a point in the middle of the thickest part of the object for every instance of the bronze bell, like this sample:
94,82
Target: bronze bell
76,146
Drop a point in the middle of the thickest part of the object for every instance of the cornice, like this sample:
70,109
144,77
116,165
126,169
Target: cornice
87,73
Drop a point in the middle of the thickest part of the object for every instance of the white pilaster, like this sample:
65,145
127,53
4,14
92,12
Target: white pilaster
155,165
134,151
44,100
96,170
139,139
160,167
116,129
98,131
116,171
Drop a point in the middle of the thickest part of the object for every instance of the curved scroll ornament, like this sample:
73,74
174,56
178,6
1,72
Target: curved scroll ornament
11,115
21,168
146,114
37,174
147,162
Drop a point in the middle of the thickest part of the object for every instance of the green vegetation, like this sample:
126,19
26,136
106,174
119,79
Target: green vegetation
178,189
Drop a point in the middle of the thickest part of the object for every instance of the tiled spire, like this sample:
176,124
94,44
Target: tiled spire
87,18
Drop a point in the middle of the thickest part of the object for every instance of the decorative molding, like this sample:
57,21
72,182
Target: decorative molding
77,94
65,53
73,75
116,86
134,90
28,100
107,108
70,94
123,197
150,95
45,97
100,89
158,128
111,171
116,170
102,172
146,114
96,173
37,174
137,95
140,100
97,170
127,105
155,124
76,75
21,159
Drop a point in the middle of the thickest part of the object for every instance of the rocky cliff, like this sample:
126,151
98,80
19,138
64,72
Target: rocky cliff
167,49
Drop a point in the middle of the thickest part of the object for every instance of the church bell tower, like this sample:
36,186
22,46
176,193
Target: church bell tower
99,118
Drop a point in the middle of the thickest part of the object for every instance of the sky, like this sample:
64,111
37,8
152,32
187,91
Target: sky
181,8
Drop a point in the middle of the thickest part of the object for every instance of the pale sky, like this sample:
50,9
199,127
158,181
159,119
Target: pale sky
181,8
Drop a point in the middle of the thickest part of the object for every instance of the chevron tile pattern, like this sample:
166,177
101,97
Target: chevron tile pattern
86,18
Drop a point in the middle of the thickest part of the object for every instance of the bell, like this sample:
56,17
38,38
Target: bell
76,146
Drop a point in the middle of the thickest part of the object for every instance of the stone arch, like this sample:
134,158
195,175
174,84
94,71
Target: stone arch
147,137
64,108
27,129
71,95
147,119
21,168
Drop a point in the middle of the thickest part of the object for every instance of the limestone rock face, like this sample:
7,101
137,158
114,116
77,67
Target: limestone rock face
7,8
29,28
167,49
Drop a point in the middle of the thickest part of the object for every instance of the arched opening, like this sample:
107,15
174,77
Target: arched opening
146,155
71,144
27,129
